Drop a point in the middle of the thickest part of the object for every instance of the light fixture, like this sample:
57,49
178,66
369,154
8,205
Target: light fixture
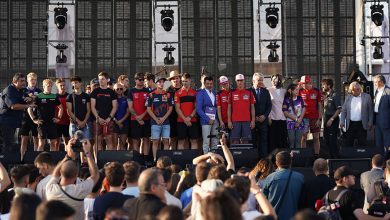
378,53
169,59
60,17
272,16
167,20
61,58
273,56
377,14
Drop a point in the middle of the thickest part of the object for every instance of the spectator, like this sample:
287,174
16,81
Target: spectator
27,124
54,210
185,103
149,81
307,214
369,177
382,112
160,105
164,162
33,178
103,106
132,170
63,123
44,162
121,123
294,109
174,78
332,109
354,119
116,214
263,108
170,212
315,188
171,200
186,181
62,185
241,112
283,187
152,196
20,178
24,206
277,119
90,198
78,106
5,181
140,120
47,116
114,198
12,105
223,101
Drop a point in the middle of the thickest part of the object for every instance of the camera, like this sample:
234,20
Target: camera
78,146
222,132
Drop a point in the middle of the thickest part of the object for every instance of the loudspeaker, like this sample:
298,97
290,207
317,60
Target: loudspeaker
243,157
358,165
10,159
120,156
30,156
179,157
302,157
355,152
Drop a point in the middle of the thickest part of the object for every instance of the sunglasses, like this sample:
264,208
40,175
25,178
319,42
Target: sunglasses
119,89
140,79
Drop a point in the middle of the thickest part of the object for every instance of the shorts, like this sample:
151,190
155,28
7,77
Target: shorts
47,131
27,126
62,130
99,129
310,125
86,130
173,132
123,130
160,131
139,131
183,131
241,129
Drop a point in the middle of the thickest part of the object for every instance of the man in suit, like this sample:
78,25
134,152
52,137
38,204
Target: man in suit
357,115
371,176
382,113
263,107
207,111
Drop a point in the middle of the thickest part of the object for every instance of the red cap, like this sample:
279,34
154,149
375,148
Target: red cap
305,79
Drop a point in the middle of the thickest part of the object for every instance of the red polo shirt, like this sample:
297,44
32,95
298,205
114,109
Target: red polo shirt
139,98
187,100
223,101
241,101
312,99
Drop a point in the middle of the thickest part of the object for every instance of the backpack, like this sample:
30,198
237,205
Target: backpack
330,211
380,205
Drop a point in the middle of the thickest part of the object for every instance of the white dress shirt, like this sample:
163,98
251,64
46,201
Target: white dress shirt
356,108
211,95
378,96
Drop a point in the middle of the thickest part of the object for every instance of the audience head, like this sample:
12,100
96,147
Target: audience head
33,177
218,172
69,170
23,206
377,161
283,160
44,162
262,169
163,162
167,175
344,176
202,171
220,205
116,214
54,210
115,174
151,181
20,175
170,212
242,185
320,166
132,170
307,214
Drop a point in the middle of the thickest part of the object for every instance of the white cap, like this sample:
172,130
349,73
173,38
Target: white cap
240,77
223,80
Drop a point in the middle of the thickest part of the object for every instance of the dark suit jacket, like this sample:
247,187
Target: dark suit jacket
314,189
382,119
263,104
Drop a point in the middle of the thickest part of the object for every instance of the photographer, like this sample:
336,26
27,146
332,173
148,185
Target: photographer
62,185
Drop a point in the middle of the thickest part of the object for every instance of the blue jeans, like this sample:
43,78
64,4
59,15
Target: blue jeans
87,130
160,131
294,137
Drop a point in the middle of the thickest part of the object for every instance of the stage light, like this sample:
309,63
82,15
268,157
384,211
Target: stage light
378,53
60,17
377,14
169,59
273,56
167,20
61,58
272,16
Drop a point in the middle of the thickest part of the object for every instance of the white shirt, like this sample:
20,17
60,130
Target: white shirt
378,98
171,200
88,208
41,187
211,95
250,215
131,191
356,108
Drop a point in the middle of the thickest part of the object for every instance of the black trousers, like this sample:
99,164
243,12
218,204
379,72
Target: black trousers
260,138
8,138
331,135
277,135
356,131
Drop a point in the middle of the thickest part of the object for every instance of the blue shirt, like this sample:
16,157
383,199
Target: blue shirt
122,109
273,189
186,197
12,96
160,103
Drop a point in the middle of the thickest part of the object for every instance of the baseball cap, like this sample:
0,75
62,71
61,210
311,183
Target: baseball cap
94,81
160,78
223,80
305,79
342,172
240,77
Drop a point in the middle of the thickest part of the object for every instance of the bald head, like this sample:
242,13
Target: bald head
320,166
148,178
69,169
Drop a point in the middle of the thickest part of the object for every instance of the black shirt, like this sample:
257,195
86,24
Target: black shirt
47,104
173,116
144,205
331,103
106,201
12,118
80,105
104,98
314,189
28,92
348,202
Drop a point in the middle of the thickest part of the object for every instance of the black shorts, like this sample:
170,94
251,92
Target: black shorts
62,130
47,131
123,130
173,132
27,126
139,131
183,131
